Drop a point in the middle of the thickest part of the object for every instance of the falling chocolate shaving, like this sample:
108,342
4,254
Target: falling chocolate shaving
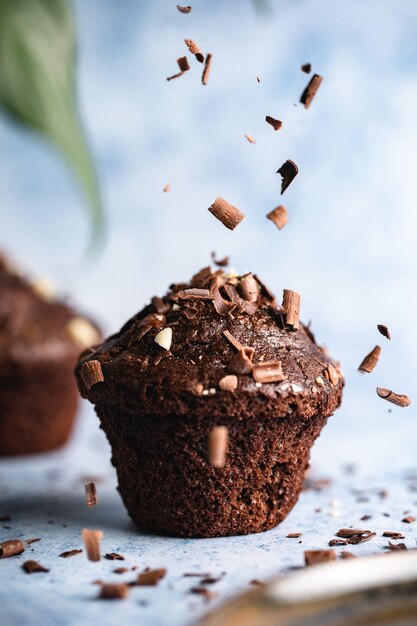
183,64
173,77
202,591
276,124
217,446
306,68
220,262
294,535
235,343
13,547
313,557
194,49
288,171
184,9
384,330
151,577
365,518
91,539
113,591
279,216
249,138
195,294
91,373
33,567
311,90
268,372
291,307
355,536
409,520
210,580
68,553
369,362
91,494
228,383
206,71
394,398
393,534
248,288
226,213
33,540
241,362
113,556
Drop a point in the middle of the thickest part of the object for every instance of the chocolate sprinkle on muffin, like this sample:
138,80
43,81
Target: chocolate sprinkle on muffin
160,401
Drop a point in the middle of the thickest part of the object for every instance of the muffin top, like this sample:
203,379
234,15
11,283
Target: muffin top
34,327
217,345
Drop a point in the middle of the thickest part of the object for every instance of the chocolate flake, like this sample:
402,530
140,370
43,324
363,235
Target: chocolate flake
279,216
195,294
151,577
194,49
68,553
409,520
337,542
306,68
384,330
183,64
91,494
184,9
167,187
369,362
347,555
311,90
206,71
332,374
33,540
226,213
91,373
222,307
235,343
32,567
294,535
393,534
288,171
394,398
248,288
268,372
355,536
217,446
113,591
228,383
249,138
241,362
276,124
120,570
113,556
395,546
220,262
202,591
291,306
313,557
91,539
12,547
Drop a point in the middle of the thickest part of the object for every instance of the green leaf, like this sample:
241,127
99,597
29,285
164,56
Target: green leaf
37,85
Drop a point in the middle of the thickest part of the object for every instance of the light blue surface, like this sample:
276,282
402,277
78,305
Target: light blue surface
349,248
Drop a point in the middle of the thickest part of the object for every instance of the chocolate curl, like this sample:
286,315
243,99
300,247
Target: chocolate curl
291,306
311,90
91,539
206,70
394,398
248,288
369,362
91,373
226,213
194,49
241,363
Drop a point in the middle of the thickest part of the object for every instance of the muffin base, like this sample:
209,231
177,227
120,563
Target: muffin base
169,487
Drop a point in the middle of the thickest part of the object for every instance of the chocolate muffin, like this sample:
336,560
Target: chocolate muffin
40,340
211,398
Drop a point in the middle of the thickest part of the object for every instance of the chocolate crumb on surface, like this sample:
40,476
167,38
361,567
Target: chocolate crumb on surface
206,71
313,557
354,536
69,553
207,594
194,49
279,216
394,398
276,124
226,213
92,373
33,540
90,493
409,520
268,372
114,556
33,567
384,330
249,138
306,68
369,362
185,10
91,539
347,555
113,591
217,446
13,547
294,535
311,90
151,577
288,171
120,570
393,534
395,546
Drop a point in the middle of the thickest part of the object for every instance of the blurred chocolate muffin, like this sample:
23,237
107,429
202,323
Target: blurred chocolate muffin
40,340
211,398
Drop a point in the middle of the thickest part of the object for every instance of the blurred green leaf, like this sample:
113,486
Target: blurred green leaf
37,85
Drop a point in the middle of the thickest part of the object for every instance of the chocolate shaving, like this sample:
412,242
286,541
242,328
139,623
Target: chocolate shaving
220,262
217,446
306,68
249,138
294,535
384,330
198,574
194,49
206,70
202,278
347,555
369,362
91,494
173,77
68,553
210,580
33,540
91,539
160,306
311,90
183,64
228,383
241,362
226,213
120,570
32,567
288,171
113,591
91,373
184,9
268,372
276,124
235,343
313,557
221,306
394,398
355,536
248,288
409,520
190,312
291,307
151,577
113,556
337,542
12,547
278,216
395,546
332,374
393,534
195,294
202,591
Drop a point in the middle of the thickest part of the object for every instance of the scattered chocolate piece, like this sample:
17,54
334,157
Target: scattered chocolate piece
206,71
68,553
226,213
220,262
337,542
384,330
235,343
202,591
248,288
184,9
199,574
409,520
276,124
294,535
306,68
217,446
12,547
268,372
395,546
91,373
33,540
369,362
394,398
151,577
32,567
365,518
222,306
311,90
393,534
278,216
120,570
241,363
194,49
354,535
113,591
195,294
291,307
210,580
313,557
113,556
347,555
90,493
167,188
249,138
288,171
228,383
183,64
91,539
